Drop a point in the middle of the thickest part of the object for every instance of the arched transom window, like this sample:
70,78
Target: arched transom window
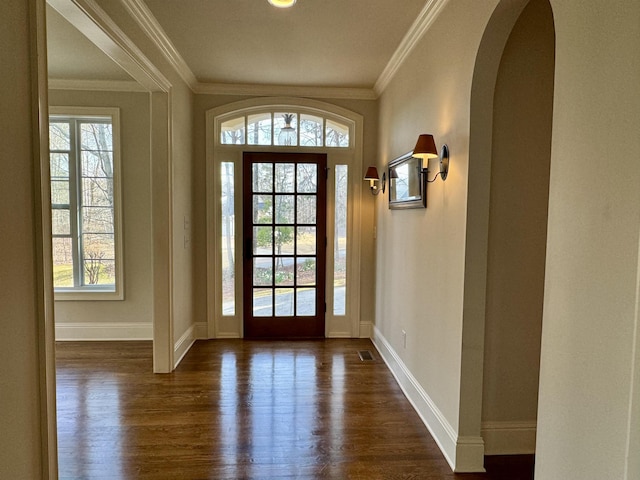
285,128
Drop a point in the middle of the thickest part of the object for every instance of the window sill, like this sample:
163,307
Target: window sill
93,294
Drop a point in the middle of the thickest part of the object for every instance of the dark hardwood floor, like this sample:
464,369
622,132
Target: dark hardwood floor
244,410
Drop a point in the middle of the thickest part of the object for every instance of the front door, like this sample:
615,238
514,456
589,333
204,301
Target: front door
284,233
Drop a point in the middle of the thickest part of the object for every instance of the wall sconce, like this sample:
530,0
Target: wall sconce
372,176
426,148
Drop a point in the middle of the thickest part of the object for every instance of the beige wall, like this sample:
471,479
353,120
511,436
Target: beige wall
588,418
23,413
430,274
136,208
368,109
517,232
589,378
421,253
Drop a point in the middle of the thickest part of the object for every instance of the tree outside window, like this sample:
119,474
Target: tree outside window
83,203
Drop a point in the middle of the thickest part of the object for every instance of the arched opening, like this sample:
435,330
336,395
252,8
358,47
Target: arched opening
522,118
510,149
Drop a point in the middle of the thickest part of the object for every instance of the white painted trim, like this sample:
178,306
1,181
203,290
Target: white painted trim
339,335
183,345
149,24
469,455
366,330
632,463
161,218
212,219
86,15
509,438
97,85
233,335
464,454
104,331
441,431
284,90
94,23
200,331
42,249
419,27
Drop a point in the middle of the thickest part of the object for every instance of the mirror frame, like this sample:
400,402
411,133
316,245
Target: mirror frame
417,201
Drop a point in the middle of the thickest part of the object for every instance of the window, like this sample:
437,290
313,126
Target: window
85,196
282,125
280,128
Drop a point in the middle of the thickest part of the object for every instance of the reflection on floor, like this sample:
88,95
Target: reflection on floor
243,410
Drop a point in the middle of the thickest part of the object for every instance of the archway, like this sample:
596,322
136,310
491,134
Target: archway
504,117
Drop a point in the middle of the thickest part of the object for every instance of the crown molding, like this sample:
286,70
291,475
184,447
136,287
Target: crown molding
149,24
140,12
419,27
100,29
96,85
284,90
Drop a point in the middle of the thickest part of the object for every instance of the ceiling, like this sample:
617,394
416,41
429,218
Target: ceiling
317,43
71,56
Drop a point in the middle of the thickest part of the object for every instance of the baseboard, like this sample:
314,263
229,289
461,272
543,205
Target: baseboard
464,454
366,330
182,346
469,455
228,335
96,331
201,331
441,431
509,438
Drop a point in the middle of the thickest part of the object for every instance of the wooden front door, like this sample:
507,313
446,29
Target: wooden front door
284,234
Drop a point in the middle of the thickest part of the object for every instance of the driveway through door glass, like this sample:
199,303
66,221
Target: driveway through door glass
284,229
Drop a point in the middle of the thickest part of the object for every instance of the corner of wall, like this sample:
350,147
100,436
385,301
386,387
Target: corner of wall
469,456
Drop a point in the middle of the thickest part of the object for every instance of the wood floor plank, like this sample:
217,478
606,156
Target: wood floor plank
238,409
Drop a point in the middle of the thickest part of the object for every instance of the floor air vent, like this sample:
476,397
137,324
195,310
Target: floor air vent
365,355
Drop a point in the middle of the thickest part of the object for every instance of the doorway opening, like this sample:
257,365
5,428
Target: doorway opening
284,239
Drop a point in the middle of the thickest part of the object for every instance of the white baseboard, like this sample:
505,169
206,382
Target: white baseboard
464,454
469,455
509,438
442,432
201,331
182,346
228,335
339,335
366,330
95,331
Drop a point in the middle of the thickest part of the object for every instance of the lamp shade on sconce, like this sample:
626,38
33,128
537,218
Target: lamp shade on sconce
373,177
425,147
372,174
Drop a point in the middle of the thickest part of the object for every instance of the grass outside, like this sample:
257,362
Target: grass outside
228,283
63,275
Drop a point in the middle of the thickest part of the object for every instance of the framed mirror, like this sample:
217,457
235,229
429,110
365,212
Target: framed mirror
406,186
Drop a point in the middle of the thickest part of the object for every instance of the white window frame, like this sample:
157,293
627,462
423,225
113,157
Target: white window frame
227,326
99,292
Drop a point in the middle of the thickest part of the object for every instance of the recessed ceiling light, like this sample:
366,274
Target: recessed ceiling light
282,3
